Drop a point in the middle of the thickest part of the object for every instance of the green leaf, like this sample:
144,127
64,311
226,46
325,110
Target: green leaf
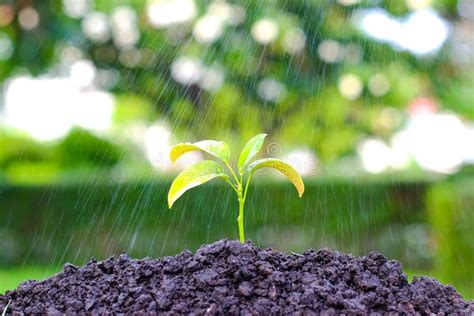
197,174
212,147
252,147
281,166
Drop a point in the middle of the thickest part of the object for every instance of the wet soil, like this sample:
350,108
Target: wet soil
227,277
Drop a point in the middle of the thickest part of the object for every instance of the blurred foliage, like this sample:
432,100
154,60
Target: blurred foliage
81,147
27,161
450,209
17,148
311,113
103,219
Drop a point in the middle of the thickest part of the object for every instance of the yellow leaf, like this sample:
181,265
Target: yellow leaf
281,166
195,175
214,148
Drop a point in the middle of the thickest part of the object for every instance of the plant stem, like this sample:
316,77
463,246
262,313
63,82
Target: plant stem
232,186
231,171
247,187
241,197
240,219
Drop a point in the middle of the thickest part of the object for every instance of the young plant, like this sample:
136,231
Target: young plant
207,170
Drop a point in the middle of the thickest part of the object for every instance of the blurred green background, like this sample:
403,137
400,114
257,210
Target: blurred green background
372,101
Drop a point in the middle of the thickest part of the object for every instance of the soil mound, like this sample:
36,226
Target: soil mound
227,277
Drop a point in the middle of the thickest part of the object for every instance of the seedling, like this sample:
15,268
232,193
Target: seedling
207,170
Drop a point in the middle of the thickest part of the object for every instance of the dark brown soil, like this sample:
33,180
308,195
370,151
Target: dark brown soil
227,277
